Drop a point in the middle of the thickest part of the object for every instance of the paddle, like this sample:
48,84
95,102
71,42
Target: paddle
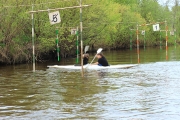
98,51
86,49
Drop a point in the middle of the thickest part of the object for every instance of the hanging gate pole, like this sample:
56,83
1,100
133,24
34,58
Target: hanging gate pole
166,40
57,44
130,39
137,32
77,45
81,27
33,51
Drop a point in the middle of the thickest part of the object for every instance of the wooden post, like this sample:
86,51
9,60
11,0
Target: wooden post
81,26
33,48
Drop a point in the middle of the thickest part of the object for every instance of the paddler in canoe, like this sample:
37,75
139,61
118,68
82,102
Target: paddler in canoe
85,59
101,60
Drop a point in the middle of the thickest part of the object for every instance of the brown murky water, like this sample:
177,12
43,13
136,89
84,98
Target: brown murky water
149,91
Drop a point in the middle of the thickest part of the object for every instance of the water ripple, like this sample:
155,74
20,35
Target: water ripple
145,92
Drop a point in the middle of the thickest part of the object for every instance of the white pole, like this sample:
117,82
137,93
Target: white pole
81,26
32,16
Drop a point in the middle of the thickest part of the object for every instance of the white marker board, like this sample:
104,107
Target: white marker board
73,31
156,27
143,32
54,17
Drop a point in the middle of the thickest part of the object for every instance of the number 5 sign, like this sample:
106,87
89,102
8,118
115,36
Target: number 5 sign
156,27
54,17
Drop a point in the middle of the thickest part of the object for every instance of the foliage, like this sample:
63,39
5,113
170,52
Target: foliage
107,24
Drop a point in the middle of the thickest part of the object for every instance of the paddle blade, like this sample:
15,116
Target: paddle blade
99,50
86,49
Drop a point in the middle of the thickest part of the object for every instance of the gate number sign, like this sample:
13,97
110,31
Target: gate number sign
156,27
54,17
73,31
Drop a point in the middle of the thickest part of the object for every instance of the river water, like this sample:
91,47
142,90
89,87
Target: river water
148,91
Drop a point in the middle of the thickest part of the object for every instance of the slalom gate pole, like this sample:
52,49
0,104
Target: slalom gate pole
137,32
33,47
77,45
166,40
57,44
175,39
130,39
160,40
81,29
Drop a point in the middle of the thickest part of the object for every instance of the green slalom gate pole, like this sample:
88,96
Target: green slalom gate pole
144,40
160,40
175,39
57,44
77,44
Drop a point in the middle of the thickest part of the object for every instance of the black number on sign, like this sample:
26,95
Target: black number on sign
55,19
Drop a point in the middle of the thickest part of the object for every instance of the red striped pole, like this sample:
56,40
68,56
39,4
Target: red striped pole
166,40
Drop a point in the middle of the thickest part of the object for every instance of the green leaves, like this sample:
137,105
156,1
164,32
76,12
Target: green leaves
107,23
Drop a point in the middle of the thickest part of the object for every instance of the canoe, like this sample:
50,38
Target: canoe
95,67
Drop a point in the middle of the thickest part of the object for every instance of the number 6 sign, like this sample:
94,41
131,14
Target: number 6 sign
156,27
54,17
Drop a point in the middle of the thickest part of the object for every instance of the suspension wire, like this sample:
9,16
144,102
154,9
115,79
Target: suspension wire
30,5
